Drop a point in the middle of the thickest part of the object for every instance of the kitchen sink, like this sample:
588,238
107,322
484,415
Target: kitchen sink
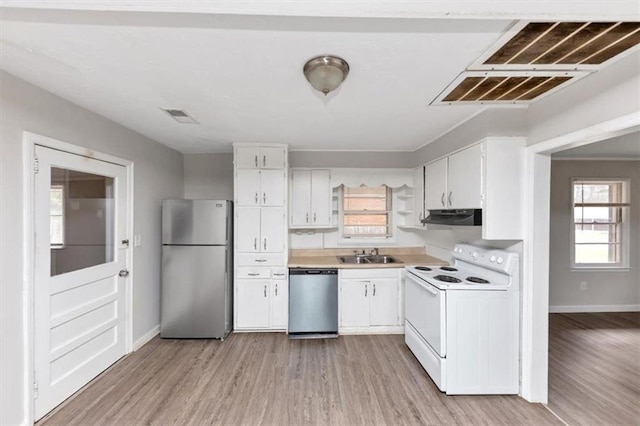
369,259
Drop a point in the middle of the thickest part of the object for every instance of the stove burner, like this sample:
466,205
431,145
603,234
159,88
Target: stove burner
423,268
447,279
477,280
448,269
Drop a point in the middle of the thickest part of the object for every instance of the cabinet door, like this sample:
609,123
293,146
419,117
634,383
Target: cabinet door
354,300
435,185
465,179
320,198
300,197
272,230
418,196
279,304
247,157
253,304
271,158
384,302
248,229
248,188
272,188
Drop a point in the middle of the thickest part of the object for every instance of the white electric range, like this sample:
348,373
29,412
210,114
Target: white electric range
462,321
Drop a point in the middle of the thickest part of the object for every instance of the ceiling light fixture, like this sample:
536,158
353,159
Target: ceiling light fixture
326,72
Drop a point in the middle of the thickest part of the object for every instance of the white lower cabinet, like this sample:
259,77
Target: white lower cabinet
261,303
369,298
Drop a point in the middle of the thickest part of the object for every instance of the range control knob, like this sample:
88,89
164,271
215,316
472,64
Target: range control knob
493,258
475,255
500,260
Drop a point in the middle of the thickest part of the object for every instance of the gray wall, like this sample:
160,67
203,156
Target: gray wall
208,176
603,288
158,175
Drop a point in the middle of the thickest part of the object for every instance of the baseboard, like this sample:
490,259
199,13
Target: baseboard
372,330
146,338
562,309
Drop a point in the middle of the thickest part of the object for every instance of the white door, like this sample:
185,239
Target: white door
248,188
320,197
272,230
418,196
435,185
248,229
80,300
384,302
272,158
279,304
272,188
354,301
465,178
247,157
300,197
253,304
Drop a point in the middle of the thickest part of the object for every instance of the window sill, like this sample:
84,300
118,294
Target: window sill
600,269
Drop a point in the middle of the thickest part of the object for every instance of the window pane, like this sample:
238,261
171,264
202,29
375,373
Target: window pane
357,201
595,214
596,234
592,193
365,219
597,253
87,220
378,204
364,230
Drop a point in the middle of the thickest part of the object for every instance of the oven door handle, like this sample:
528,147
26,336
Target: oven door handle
426,286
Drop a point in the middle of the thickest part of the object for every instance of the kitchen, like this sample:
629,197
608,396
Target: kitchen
162,173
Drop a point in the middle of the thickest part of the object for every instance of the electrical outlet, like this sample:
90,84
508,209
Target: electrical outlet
583,285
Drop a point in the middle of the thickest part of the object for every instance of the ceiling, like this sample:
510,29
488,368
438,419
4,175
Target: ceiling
240,75
622,147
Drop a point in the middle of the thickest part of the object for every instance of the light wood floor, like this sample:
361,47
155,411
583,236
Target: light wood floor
594,368
267,379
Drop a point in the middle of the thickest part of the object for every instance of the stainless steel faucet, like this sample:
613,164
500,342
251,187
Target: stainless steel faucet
374,251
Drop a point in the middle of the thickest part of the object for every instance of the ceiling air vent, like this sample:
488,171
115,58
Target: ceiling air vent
560,45
179,115
504,87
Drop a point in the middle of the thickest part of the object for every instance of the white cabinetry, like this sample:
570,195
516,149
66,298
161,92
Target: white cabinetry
418,196
370,300
310,198
487,175
260,157
261,296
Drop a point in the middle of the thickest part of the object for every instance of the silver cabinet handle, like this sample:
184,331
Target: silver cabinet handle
442,199
265,290
314,218
265,243
253,274
264,161
307,217
261,260
124,273
374,289
256,197
255,243
276,289
278,275
264,198
256,158
366,287
450,203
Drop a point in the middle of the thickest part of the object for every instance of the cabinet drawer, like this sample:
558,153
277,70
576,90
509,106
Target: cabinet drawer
258,259
370,273
249,272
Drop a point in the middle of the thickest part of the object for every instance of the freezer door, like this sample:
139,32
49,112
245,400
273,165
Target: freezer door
195,292
196,222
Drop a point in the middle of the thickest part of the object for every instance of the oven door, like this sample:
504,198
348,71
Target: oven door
425,310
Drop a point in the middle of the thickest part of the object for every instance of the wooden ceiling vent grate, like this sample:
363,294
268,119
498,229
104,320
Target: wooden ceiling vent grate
536,58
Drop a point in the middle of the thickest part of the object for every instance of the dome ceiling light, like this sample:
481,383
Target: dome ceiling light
326,72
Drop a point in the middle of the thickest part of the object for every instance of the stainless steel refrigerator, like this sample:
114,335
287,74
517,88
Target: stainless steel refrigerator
197,269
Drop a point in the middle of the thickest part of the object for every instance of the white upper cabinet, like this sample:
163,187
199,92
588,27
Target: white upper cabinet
418,196
435,185
310,198
464,179
260,188
248,157
260,230
272,230
248,230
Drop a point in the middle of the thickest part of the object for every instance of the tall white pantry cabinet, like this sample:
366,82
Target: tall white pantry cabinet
261,240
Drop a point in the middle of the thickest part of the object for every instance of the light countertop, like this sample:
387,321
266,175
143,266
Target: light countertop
327,258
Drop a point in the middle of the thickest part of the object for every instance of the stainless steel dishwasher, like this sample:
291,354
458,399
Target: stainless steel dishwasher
313,303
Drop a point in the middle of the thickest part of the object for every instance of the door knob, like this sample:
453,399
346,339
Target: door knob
124,273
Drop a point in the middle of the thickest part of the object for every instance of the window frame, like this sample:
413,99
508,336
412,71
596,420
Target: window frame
623,263
389,239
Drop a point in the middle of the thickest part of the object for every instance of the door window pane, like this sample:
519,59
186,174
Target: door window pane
82,216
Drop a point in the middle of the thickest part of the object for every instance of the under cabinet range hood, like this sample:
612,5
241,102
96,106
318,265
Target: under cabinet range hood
455,217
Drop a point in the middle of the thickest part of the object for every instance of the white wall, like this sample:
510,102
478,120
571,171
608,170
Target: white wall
614,290
208,176
158,175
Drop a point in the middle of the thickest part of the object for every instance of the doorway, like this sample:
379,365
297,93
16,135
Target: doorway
81,293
